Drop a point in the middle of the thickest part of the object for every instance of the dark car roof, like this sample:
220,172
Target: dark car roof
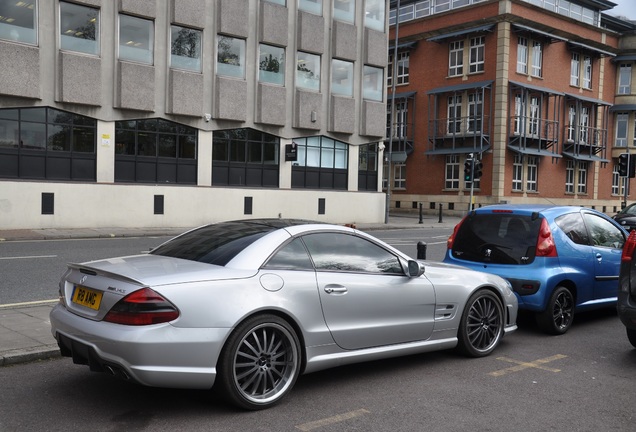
218,243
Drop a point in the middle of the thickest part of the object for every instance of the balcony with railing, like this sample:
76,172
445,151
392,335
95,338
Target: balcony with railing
585,143
399,140
534,136
469,134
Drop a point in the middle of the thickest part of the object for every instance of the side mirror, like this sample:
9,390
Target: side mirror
415,269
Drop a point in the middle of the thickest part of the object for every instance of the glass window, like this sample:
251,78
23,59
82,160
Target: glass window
452,172
341,77
517,173
477,52
622,120
18,21
271,64
185,51
308,71
230,56
136,39
280,2
312,6
292,256
587,72
537,59
373,85
575,70
344,10
349,253
625,79
522,55
603,233
79,28
569,177
532,174
399,176
374,12
454,121
573,226
456,58
582,178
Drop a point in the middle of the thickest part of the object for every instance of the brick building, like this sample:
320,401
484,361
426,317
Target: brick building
540,92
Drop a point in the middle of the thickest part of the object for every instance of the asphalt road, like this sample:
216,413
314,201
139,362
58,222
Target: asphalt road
582,381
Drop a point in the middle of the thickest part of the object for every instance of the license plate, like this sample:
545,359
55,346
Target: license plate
87,297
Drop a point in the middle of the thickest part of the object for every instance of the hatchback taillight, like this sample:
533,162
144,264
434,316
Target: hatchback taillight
451,239
545,242
629,247
142,307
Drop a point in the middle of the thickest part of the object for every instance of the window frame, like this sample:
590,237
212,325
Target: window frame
127,54
456,58
271,77
20,34
302,77
344,69
224,66
451,170
477,54
625,74
186,62
79,41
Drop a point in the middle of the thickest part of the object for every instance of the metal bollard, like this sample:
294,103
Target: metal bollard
421,250
440,213
421,219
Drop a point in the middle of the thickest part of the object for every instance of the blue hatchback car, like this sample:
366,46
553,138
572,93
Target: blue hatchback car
558,259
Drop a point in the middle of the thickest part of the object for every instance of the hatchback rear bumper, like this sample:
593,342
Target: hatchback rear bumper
626,307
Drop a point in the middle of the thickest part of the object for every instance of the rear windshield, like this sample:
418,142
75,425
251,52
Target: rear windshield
217,243
500,238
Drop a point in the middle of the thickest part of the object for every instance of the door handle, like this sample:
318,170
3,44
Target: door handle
335,289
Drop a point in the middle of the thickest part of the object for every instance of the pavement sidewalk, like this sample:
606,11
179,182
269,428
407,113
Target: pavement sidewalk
25,330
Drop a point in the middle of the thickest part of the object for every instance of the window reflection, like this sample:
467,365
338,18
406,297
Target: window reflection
373,85
341,77
136,39
230,57
312,6
271,64
185,48
308,71
344,10
17,21
374,11
79,28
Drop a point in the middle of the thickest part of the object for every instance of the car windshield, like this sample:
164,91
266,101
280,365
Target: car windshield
629,210
218,243
499,238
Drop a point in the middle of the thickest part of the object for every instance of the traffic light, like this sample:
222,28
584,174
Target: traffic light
626,165
623,164
477,170
468,170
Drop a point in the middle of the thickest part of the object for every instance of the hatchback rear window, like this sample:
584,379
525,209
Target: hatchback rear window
498,238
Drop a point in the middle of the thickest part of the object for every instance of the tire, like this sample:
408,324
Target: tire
482,324
259,363
559,313
631,335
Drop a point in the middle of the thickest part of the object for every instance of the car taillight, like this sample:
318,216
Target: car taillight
629,247
451,239
143,307
545,241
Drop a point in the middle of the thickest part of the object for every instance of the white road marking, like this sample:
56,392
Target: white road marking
31,303
27,257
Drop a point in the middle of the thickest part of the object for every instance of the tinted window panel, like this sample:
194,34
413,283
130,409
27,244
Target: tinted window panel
603,233
573,226
504,238
292,256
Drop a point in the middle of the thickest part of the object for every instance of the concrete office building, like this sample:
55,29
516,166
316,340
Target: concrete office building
125,113
540,92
